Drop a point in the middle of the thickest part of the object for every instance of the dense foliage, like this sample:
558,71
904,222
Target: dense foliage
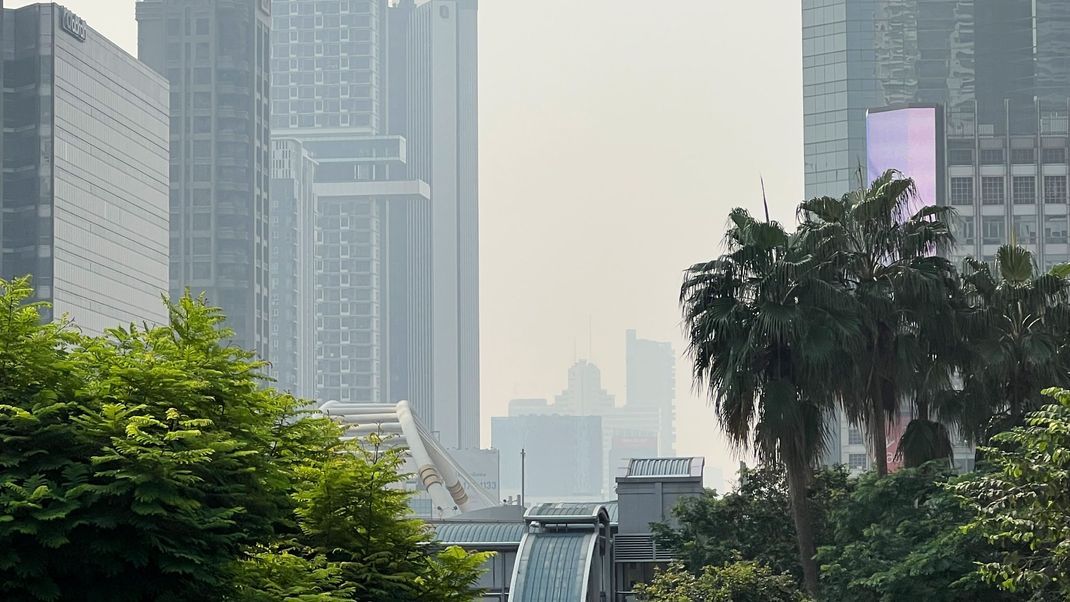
751,522
859,311
151,464
734,582
1023,504
901,538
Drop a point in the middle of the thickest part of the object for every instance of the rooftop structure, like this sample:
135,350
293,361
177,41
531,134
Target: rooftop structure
578,552
438,477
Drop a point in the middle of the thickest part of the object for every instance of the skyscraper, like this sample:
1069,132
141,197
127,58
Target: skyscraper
998,73
292,254
329,91
84,193
389,94
433,104
584,394
215,54
651,384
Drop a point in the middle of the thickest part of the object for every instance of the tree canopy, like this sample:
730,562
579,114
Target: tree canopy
152,463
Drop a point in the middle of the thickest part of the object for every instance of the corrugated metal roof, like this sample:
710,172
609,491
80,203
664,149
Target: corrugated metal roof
564,509
665,467
462,532
553,567
613,509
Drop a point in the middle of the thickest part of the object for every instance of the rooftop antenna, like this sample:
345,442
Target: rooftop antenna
590,337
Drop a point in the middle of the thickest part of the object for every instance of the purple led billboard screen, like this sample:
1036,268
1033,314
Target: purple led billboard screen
905,139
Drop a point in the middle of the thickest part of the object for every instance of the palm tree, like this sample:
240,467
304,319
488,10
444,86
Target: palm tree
765,330
1018,329
888,259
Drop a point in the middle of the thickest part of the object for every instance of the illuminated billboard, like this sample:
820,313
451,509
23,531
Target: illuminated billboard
907,139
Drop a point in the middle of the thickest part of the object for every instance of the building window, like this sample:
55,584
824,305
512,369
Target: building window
1022,156
1025,229
1055,189
1055,228
964,230
992,190
961,191
960,156
1025,190
856,461
991,156
854,436
1054,155
993,230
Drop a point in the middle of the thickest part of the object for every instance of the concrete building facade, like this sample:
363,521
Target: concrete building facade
292,254
215,55
433,104
85,172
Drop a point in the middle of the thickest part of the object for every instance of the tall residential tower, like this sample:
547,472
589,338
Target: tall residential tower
215,54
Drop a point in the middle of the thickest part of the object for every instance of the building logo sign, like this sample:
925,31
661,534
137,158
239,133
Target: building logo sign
73,24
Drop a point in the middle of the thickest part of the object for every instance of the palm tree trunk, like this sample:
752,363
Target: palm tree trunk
878,438
798,480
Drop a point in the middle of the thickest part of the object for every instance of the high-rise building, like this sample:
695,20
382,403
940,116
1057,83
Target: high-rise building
584,393
433,104
650,368
292,254
354,273
562,456
328,66
215,54
84,193
390,95
996,74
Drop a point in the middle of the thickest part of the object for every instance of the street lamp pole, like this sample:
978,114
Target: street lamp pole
523,460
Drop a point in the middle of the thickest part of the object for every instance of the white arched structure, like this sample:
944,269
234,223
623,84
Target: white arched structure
451,489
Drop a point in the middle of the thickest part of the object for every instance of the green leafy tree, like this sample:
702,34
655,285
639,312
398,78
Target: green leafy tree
287,573
152,464
888,258
352,511
752,522
767,332
734,582
1023,505
901,538
1018,326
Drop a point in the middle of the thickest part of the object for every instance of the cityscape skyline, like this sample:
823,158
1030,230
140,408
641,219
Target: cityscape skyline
607,68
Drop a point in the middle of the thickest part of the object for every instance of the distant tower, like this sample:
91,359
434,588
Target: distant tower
215,55
651,384
584,395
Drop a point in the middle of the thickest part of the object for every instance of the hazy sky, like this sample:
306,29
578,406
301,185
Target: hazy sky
615,136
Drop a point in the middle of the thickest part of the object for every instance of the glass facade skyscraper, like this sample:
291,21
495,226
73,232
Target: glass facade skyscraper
85,173
999,70
215,54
